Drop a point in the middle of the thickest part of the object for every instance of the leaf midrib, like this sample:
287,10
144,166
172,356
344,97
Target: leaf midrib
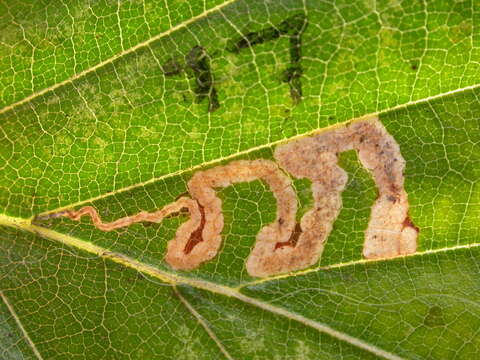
174,279
27,225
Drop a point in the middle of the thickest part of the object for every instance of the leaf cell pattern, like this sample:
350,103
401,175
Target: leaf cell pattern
119,104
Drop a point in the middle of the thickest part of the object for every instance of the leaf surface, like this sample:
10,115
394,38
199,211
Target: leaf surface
118,105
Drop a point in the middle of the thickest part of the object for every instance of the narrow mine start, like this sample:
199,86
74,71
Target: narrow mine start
285,244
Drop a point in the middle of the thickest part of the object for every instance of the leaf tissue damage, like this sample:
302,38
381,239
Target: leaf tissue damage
285,245
197,61
292,27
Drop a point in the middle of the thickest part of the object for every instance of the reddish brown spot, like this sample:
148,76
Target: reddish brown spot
394,189
392,198
196,236
293,238
408,223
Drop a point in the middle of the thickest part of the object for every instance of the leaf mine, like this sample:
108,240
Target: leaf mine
285,245
390,231
293,27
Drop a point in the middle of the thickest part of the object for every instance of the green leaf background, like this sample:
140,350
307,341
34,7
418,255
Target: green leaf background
88,117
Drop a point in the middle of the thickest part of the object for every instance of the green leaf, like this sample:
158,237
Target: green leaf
117,105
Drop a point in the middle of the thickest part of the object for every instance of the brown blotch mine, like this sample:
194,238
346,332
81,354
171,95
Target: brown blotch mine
285,245
408,223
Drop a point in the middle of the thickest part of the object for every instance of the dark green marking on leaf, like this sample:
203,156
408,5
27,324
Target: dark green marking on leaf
293,27
197,60
172,67
434,317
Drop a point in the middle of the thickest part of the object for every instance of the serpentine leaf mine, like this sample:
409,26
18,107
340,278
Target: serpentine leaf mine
285,245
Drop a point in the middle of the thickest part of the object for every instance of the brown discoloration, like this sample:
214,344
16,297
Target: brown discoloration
196,236
142,216
407,222
285,245
315,225
202,187
176,247
182,211
293,238
386,235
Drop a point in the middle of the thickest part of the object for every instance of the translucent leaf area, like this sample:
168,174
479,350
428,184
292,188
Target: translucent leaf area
117,105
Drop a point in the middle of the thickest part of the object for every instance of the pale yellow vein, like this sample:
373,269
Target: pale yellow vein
203,323
19,324
201,284
115,57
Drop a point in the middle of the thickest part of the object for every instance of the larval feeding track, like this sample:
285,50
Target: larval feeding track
285,245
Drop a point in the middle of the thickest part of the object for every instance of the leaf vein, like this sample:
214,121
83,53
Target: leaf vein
115,57
256,148
203,323
19,324
201,284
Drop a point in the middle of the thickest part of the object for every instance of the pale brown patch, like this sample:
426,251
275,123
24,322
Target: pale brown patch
315,225
285,245
390,231
202,188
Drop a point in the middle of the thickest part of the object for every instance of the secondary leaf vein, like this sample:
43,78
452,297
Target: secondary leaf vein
203,323
19,324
